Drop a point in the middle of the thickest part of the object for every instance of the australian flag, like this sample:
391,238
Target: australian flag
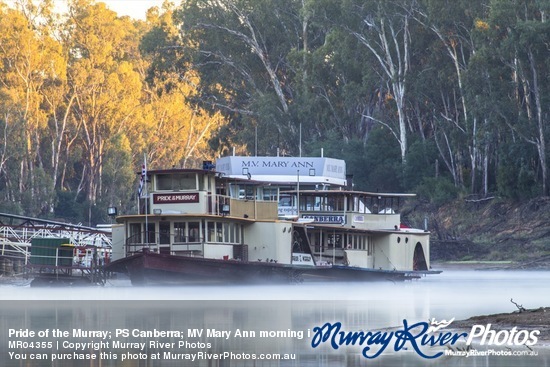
142,180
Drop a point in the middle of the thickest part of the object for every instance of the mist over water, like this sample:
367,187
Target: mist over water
462,293
359,306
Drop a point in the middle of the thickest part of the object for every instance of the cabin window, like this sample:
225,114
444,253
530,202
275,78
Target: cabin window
238,235
285,201
360,242
150,233
182,181
210,231
370,246
233,229
269,194
358,205
335,240
207,185
194,231
336,203
226,234
307,203
134,235
219,232
164,233
384,205
247,192
233,191
315,240
179,232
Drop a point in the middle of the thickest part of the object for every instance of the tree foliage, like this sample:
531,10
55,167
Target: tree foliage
78,111
440,97
463,82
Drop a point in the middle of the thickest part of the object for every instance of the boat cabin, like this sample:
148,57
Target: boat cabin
361,229
202,192
199,212
286,174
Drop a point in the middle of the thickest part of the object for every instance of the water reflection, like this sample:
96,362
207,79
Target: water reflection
264,308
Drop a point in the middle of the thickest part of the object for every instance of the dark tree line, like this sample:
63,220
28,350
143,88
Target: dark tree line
415,94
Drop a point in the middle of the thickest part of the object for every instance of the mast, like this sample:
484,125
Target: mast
146,196
298,193
143,194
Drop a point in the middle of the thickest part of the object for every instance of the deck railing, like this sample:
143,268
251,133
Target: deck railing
243,208
189,245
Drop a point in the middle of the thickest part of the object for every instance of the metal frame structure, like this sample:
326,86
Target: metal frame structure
16,233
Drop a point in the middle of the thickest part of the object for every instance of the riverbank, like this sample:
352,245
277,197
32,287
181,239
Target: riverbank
542,263
525,319
492,230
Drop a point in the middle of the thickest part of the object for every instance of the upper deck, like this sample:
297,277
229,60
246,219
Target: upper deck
206,192
211,192
355,209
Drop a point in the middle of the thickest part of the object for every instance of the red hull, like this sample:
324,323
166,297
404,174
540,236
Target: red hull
148,267
152,268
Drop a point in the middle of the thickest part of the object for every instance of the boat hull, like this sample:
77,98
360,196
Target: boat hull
357,274
152,268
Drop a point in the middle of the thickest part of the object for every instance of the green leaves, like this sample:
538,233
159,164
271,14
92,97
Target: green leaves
411,93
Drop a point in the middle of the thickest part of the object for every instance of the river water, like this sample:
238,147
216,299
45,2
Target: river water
238,325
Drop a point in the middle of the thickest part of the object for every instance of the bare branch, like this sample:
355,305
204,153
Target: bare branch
520,307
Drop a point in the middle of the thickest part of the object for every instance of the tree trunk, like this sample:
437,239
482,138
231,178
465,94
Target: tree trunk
541,141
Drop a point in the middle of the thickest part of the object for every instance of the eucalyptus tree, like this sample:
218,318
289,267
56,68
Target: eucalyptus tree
32,68
455,121
104,82
12,103
384,28
335,86
240,50
516,37
177,131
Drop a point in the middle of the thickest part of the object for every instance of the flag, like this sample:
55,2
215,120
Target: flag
143,180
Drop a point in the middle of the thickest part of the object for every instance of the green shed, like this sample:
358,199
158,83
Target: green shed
44,251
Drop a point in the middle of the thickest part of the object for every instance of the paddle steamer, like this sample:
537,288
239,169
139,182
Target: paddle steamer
258,219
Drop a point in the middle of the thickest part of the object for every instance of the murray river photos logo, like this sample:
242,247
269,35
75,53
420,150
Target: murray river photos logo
419,337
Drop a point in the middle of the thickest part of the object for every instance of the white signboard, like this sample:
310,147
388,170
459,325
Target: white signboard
331,219
274,169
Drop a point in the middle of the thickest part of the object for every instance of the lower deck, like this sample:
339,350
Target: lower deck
285,242
391,250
